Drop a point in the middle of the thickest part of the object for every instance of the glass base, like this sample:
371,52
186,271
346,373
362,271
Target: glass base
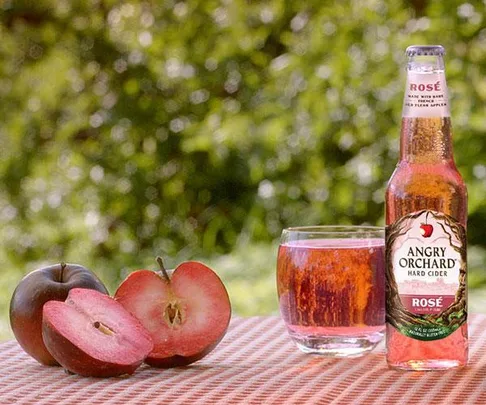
427,365
337,346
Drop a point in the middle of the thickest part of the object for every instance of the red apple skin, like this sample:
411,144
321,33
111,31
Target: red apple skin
66,336
34,290
205,311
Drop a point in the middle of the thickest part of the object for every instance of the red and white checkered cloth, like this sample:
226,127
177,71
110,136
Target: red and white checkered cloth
254,364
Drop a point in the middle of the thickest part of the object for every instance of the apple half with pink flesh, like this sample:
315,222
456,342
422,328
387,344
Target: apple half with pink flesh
186,314
93,335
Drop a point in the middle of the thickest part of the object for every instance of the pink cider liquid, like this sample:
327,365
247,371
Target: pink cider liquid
332,287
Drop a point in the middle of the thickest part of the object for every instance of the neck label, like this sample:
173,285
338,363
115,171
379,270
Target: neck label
426,96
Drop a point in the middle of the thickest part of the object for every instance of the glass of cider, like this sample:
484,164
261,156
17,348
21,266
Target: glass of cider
331,288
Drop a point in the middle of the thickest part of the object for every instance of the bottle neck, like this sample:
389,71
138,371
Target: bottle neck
426,125
426,140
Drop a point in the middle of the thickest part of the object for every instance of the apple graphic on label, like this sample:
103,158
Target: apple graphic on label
186,312
426,230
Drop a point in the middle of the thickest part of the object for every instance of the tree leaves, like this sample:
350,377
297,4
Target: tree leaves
185,126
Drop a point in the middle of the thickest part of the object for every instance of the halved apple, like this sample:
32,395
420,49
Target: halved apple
186,314
93,335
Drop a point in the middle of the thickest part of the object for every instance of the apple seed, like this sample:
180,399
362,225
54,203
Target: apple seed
172,315
103,328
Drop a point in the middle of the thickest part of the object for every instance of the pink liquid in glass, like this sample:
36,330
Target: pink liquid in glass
332,287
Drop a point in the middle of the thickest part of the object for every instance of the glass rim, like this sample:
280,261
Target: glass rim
332,229
332,232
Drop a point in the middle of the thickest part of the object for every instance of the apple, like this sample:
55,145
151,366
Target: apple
34,290
187,313
426,230
93,335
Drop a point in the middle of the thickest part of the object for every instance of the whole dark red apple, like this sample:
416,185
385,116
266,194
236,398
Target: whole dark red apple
426,230
34,290
186,314
93,335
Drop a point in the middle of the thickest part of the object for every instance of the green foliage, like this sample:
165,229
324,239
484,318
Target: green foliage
131,129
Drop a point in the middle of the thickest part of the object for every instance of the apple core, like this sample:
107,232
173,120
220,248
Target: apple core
173,315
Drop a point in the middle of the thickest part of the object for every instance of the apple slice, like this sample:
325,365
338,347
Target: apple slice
186,314
93,335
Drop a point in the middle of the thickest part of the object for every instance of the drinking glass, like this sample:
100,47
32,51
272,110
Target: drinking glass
331,288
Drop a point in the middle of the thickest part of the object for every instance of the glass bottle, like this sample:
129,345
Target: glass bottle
426,216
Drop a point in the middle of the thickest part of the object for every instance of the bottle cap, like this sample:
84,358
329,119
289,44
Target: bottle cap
425,50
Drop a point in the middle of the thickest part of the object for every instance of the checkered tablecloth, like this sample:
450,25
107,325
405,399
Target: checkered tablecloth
254,364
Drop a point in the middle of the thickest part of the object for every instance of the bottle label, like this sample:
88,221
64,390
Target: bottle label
426,275
426,95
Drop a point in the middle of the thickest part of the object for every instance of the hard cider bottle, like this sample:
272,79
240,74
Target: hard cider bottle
426,215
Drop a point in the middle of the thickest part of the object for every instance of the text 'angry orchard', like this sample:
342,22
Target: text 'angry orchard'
432,258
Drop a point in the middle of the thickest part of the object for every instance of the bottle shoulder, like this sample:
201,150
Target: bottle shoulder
433,187
432,180
427,180
406,173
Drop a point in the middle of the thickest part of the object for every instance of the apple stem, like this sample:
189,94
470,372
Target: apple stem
63,266
162,268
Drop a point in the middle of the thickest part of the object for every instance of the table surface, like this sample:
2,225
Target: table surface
254,364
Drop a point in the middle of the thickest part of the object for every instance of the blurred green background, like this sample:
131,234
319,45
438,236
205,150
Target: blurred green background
199,129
